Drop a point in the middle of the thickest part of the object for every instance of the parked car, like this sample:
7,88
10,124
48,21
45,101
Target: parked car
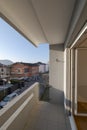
7,99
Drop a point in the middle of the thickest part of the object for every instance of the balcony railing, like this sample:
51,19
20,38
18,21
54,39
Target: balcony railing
26,112
17,109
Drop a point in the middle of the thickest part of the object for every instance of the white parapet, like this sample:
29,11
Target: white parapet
72,122
15,114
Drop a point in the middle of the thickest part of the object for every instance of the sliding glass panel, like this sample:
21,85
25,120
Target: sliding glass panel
81,83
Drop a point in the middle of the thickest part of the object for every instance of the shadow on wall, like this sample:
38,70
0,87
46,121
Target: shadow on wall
57,47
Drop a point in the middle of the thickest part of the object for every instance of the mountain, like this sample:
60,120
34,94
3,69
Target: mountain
6,62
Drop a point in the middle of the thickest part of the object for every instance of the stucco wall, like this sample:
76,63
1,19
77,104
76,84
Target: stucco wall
33,70
5,72
15,114
42,68
56,67
19,66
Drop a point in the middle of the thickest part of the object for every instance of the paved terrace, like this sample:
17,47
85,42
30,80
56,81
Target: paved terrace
49,115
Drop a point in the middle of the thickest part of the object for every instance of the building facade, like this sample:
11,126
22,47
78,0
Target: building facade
20,69
43,67
4,71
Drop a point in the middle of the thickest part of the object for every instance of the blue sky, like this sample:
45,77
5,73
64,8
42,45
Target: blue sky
15,47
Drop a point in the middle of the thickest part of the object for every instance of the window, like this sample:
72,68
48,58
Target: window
26,70
18,71
2,70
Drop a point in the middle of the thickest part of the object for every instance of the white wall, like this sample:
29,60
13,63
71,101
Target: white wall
56,67
6,70
47,67
42,68
67,89
14,115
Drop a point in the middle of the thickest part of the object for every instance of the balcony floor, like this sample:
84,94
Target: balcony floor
49,115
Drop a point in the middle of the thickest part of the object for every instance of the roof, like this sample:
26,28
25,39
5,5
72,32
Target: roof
28,64
40,63
2,65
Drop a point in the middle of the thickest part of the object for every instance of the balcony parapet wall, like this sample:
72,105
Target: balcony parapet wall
15,114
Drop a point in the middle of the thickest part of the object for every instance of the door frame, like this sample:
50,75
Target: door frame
73,72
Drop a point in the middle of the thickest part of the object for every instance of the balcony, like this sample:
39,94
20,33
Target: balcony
27,112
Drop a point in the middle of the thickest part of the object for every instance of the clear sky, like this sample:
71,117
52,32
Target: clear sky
15,47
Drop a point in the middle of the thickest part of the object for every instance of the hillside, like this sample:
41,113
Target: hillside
6,62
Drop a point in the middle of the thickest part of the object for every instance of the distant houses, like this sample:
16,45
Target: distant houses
43,67
4,71
21,69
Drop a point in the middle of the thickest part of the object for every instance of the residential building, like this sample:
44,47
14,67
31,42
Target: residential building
43,67
62,24
20,69
47,67
4,71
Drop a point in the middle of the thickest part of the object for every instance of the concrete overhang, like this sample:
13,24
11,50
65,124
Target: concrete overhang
40,21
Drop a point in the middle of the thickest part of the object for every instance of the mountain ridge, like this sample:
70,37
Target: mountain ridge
6,62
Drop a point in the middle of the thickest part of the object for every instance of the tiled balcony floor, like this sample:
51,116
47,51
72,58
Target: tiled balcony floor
48,116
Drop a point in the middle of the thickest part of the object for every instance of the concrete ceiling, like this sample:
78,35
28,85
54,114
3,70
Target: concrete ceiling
40,21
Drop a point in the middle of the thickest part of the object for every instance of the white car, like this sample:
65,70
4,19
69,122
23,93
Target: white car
7,99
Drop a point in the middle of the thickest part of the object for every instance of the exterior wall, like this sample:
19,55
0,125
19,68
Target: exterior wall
4,71
32,70
20,107
42,68
20,67
67,88
56,68
47,67
35,70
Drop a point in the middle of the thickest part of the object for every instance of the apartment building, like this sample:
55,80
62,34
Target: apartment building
20,69
43,67
4,71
